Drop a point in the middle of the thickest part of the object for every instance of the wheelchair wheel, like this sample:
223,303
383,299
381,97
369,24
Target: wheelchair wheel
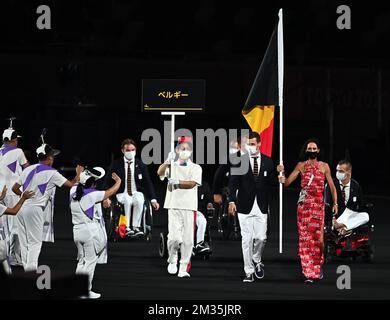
329,251
109,219
368,256
147,220
163,248
226,224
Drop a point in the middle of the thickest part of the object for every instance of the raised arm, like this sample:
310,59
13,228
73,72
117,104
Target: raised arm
71,183
164,166
293,175
111,191
25,195
16,189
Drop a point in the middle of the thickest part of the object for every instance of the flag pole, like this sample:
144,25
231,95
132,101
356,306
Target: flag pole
280,86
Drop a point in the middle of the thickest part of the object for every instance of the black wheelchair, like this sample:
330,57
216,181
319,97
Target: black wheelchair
115,232
163,247
357,244
228,225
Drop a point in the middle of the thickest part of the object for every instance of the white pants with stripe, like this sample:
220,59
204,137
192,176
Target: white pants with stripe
181,235
30,228
11,230
254,236
4,252
137,202
352,219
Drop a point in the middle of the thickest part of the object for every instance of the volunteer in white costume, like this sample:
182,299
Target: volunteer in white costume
88,226
182,203
12,163
4,211
41,178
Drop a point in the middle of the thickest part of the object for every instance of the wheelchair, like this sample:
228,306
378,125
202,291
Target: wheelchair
163,246
356,245
112,216
228,225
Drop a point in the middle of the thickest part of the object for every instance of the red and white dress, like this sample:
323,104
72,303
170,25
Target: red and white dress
311,221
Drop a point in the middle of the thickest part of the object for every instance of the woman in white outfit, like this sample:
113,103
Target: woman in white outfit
4,252
88,228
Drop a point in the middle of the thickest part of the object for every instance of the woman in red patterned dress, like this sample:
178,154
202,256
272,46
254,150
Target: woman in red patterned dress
311,208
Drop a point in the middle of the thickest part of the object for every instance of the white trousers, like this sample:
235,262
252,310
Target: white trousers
201,224
137,202
30,228
254,236
352,219
90,246
11,231
181,235
4,253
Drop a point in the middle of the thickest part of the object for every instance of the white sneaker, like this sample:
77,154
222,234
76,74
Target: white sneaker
94,295
172,268
183,274
91,295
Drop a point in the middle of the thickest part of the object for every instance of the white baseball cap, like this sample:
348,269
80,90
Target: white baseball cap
46,149
96,173
10,134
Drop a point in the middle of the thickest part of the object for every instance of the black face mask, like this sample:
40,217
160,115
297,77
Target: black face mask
311,155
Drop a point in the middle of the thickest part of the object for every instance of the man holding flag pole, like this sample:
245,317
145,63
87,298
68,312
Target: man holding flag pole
252,187
265,95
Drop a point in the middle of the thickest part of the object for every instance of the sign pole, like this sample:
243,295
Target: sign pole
172,114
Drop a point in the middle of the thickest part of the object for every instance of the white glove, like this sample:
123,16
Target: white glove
171,157
173,184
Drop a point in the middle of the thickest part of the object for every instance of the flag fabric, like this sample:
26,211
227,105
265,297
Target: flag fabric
260,105
122,226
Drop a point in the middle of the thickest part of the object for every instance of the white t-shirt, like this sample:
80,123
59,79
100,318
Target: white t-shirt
11,161
186,199
40,179
89,204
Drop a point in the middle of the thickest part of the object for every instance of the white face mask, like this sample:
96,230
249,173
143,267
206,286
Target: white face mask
340,176
233,150
129,155
252,150
185,154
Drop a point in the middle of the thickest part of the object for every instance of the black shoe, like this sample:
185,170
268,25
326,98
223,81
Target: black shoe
249,278
138,232
259,271
202,248
129,232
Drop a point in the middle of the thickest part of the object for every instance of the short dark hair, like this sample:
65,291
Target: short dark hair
347,163
128,141
253,135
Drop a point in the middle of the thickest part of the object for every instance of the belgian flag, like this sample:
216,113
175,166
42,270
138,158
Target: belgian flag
266,91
